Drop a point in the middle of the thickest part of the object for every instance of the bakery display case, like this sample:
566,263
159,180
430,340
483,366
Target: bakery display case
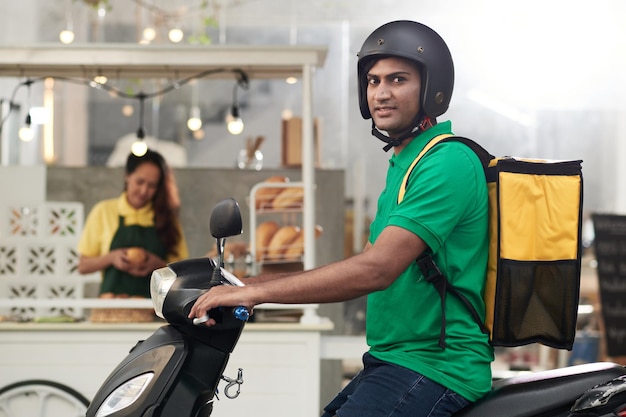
277,237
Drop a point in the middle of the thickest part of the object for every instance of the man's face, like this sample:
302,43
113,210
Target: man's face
393,94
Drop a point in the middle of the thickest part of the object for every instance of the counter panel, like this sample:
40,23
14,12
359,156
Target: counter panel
280,361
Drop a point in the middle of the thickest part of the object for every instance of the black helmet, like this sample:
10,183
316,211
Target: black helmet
419,43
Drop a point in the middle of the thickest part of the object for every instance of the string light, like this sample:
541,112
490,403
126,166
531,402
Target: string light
100,79
102,11
175,35
149,34
26,133
194,122
234,123
66,36
139,147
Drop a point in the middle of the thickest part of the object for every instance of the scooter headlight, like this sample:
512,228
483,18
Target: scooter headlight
160,284
125,395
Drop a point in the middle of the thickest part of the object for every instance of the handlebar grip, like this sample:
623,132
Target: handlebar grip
199,320
241,313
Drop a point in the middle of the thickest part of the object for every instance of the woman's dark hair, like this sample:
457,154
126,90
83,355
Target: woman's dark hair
165,200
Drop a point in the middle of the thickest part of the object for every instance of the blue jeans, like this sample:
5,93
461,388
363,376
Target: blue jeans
382,389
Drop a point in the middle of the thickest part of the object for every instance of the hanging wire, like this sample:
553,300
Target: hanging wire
141,133
12,104
234,122
240,75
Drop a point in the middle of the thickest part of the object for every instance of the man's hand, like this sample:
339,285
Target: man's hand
220,296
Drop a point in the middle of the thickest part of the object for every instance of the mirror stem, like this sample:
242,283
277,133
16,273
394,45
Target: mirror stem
216,277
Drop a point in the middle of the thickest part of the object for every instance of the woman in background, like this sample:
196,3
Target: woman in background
130,236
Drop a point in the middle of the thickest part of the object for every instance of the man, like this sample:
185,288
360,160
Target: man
406,75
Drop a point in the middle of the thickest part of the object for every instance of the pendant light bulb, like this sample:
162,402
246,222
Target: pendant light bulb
175,35
149,34
234,124
66,36
102,10
26,133
194,123
139,148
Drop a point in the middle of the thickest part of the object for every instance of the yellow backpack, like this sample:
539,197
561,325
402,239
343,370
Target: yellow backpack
533,273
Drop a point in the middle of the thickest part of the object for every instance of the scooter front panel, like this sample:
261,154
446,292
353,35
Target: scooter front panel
163,353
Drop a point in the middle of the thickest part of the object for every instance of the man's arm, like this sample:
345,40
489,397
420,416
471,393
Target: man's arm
372,270
270,277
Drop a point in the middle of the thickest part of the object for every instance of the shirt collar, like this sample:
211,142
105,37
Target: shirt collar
142,216
415,146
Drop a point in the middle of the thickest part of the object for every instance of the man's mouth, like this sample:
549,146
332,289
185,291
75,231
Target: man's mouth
383,110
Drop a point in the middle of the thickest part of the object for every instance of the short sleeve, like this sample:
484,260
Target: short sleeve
446,188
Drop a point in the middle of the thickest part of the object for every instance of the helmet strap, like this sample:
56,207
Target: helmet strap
422,123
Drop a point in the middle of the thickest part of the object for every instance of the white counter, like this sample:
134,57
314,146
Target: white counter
281,361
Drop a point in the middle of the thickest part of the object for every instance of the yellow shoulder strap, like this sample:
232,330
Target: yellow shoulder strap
428,146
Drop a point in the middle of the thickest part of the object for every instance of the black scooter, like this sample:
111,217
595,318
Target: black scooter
589,390
176,371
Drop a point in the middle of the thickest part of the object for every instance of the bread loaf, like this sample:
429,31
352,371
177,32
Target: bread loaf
264,233
136,255
296,248
265,195
281,241
290,197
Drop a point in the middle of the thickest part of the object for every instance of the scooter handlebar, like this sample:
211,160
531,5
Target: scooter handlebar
239,312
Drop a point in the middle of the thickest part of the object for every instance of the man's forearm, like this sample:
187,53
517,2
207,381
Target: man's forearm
268,277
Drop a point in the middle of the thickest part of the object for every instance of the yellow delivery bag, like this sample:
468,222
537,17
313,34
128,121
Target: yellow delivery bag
533,274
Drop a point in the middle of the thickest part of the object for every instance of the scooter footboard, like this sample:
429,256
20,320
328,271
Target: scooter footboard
541,392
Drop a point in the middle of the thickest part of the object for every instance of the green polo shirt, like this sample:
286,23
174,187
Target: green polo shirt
446,206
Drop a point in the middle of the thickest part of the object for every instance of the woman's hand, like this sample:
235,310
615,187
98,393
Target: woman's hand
118,259
140,262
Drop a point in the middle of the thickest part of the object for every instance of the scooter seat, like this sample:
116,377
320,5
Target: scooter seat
535,393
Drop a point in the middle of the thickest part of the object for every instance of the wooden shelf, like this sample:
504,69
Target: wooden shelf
156,61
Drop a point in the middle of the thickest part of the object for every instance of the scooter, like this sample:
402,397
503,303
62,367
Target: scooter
176,371
588,390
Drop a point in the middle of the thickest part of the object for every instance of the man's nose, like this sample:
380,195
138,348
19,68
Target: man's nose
383,91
